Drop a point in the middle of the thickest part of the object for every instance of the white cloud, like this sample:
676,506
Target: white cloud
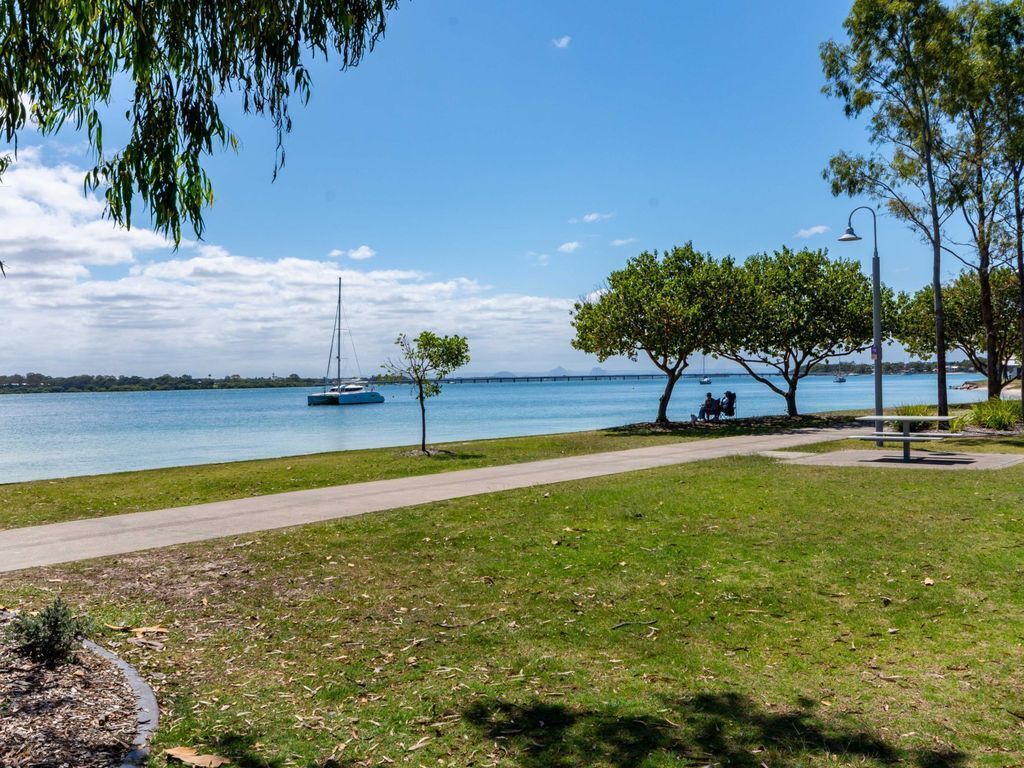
570,247
361,253
46,217
590,218
561,42
817,229
622,241
82,296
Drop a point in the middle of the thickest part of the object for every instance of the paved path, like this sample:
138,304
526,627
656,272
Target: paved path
118,534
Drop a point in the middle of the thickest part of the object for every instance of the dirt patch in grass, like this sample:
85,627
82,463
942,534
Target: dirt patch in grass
81,714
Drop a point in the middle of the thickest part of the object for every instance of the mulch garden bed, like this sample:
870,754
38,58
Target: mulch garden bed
81,715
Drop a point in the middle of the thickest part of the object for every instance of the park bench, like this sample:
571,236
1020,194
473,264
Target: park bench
906,437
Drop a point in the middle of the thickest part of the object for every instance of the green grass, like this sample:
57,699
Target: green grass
739,612
50,501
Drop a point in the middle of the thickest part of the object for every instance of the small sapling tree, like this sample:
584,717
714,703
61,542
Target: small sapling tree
424,361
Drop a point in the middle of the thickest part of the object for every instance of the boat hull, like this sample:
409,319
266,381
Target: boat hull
322,398
367,397
360,398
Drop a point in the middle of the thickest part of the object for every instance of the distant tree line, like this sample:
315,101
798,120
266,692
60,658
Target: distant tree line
38,382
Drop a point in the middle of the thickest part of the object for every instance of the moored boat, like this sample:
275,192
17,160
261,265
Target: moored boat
355,391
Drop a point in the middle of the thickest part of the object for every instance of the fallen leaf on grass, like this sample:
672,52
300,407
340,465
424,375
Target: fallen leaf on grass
929,581
150,630
419,744
189,756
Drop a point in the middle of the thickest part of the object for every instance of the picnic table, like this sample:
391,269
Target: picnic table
906,437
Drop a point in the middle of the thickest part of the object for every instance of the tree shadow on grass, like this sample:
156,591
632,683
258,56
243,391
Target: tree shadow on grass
241,749
728,427
722,729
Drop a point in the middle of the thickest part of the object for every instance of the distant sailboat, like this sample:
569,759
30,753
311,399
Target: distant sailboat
704,378
839,378
355,391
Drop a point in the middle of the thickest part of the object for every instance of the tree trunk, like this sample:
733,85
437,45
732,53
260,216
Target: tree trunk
940,330
1018,215
988,321
936,239
992,368
423,420
791,401
673,377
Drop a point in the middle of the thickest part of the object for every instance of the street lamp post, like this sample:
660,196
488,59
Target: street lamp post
849,236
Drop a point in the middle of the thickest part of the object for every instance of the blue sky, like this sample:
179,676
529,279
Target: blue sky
492,161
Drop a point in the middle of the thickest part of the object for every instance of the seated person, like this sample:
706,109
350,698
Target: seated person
729,403
709,409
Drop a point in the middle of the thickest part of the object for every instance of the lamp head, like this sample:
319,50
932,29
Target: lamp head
849,236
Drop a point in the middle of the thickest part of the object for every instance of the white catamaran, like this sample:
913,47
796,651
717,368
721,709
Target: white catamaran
354,391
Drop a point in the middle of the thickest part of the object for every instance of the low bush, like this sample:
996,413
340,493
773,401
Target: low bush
50,637
913,410
992,414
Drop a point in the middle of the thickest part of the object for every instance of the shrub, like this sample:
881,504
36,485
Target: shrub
913,410
51,636
992,414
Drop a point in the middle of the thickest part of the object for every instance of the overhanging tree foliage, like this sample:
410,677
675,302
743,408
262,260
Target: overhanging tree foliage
424,362
666,306
60,63
795,310
964,327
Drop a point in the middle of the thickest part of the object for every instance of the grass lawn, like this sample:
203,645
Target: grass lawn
736,612
51,501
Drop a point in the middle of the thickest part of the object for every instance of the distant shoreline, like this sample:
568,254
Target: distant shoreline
37,384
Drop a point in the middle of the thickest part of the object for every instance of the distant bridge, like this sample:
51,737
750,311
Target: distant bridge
566,377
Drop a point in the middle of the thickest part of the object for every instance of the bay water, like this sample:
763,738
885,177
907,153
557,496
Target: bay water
57,435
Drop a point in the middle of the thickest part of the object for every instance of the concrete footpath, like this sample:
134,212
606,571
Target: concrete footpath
118,534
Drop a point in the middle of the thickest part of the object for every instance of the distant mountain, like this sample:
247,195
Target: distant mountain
503,375
598,371
559,371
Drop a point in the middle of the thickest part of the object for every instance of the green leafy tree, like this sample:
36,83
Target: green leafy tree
980,185
665,306
795,310
965,330
892,69
61,62
425,361
1001,41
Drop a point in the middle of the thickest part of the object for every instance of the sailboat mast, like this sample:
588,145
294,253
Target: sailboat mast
339,333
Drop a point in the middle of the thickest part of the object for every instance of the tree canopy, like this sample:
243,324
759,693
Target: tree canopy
60,64
424,362
665,306
965,329
795,310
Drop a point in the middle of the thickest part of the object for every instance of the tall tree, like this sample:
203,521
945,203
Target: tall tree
59,63
665,306
892,68
424,362
979,183
1001,40
965,330
797,309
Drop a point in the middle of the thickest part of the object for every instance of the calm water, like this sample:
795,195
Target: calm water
45,436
